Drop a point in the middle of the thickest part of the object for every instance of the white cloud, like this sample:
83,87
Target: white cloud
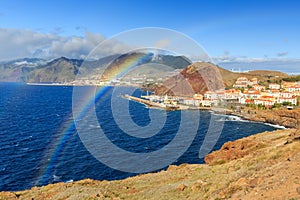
245,59
17,43
243,63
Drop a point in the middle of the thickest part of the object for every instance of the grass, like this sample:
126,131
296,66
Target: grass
219,162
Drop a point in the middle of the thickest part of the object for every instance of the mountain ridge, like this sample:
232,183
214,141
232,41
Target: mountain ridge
62,69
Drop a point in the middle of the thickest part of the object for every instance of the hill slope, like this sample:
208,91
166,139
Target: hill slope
201,76
58,70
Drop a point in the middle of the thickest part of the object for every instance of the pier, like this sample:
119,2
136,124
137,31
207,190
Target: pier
152,104
165,106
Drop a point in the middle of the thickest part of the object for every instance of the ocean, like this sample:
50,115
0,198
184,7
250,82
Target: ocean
40,144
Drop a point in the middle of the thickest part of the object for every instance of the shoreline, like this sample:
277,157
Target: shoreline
281,117
255,116
253,121
249,115
239,169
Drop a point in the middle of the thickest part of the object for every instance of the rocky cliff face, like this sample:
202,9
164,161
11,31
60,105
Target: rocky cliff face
286,118
196,78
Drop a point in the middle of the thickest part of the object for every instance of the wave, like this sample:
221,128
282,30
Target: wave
239,119
229,118
275,126
56,178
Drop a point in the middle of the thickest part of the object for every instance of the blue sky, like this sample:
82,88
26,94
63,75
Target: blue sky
226,29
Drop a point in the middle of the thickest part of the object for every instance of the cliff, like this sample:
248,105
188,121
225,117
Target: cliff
262,166
282,117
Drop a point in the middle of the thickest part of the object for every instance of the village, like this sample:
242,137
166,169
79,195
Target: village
244,92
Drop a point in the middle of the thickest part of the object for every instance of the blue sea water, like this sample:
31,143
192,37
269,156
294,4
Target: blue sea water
39,145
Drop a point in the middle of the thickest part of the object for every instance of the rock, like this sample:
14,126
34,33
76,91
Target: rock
241,182
287,118
254,182
298,190
181,187
198,185
195,187
172,167
8,195
232,151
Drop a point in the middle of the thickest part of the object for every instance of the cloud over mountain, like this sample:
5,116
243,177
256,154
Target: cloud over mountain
18,43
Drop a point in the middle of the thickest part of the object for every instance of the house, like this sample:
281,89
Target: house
267,101
285,85
274,93
274,86
286,94
254,81
220,94
191,101
210,95
249,101
232,94
251,94
295,88
198,96
206,103
258,87
292,100
241,82
243,100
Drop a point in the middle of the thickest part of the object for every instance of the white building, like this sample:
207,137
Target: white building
274,86
286,94
210,95
264,102
295,88
251,94
258,87
292,100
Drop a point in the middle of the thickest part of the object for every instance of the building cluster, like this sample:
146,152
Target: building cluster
247,91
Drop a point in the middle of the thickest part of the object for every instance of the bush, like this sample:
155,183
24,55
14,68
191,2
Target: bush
287,103
276,105
292,79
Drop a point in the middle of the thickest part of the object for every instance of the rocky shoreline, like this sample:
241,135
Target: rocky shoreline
282,117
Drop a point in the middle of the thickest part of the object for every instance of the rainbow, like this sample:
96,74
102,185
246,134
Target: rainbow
114,72
125,64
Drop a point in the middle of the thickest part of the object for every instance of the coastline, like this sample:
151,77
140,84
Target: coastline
281,117
186,185
262,166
